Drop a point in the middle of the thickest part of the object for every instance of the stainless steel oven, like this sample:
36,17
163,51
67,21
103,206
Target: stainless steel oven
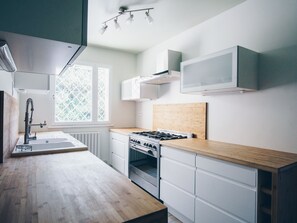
144,158
144,164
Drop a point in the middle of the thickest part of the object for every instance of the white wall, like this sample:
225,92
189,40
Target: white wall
123,66
266,118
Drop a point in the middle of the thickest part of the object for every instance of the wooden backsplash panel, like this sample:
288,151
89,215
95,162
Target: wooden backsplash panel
9,114
181,117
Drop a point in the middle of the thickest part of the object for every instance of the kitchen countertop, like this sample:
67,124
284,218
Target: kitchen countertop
127,131
72,187
265,159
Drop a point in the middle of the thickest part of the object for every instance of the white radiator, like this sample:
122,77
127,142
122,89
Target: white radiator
90,139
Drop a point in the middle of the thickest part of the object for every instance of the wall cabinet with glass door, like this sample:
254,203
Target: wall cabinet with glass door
233,69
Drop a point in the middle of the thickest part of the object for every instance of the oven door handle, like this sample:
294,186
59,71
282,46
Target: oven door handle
144,150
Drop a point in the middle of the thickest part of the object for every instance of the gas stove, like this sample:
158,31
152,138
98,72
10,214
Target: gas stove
144,157
162,135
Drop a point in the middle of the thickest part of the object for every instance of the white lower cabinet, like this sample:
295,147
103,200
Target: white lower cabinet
179,202
205,190
118,163
177,186
119,147
225,191
207,213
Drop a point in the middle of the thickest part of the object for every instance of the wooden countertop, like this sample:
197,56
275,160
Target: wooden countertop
127,131
72,187
264,159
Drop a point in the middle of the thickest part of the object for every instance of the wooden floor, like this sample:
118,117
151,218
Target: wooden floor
172,219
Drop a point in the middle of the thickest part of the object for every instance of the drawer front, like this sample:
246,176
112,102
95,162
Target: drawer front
178,199
120,137
239,173
227,195
118,147
179,155
180,175
205,213
118,163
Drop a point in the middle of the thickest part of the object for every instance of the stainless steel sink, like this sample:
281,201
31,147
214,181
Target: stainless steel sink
47,141
43,146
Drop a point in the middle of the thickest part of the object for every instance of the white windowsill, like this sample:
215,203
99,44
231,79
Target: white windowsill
77,125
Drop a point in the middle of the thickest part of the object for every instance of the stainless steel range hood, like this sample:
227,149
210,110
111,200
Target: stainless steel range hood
168,68
39,55
163,77
6,60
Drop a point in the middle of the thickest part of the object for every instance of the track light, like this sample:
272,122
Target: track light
130,18
103,29
116,24
123,10
148,18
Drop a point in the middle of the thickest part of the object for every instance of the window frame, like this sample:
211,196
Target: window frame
94,122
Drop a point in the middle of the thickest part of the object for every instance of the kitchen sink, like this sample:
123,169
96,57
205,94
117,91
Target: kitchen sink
47,141
43,146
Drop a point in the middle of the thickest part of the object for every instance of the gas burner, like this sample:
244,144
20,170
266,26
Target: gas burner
161,135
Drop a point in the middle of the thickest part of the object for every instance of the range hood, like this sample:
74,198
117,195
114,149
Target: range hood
6,60
39,55
163,77
168,68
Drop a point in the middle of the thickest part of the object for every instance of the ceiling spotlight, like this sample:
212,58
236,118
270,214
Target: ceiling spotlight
130,18
122,11
116,24
148,18
103,29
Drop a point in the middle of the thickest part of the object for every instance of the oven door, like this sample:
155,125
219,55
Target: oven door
144,168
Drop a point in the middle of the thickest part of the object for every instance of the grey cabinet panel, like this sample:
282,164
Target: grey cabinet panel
62,20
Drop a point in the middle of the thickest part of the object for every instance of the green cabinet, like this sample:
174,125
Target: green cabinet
39,30
61,20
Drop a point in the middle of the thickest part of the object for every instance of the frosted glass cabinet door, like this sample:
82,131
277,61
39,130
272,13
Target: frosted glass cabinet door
210,72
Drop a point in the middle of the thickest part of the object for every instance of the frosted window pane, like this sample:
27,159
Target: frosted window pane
73,95
103,84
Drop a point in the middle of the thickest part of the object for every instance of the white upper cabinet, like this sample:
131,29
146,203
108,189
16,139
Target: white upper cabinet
233,69
134,90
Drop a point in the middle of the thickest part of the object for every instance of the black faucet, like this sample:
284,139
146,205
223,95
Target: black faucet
28,122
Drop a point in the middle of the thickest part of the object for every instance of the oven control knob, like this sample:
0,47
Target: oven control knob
155,147
138,142
150,145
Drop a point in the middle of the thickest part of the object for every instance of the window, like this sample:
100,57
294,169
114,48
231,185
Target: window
82,95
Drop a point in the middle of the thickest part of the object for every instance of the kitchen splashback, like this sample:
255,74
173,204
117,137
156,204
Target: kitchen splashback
181,117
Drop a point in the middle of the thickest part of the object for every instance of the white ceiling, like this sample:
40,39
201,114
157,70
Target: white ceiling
170,18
